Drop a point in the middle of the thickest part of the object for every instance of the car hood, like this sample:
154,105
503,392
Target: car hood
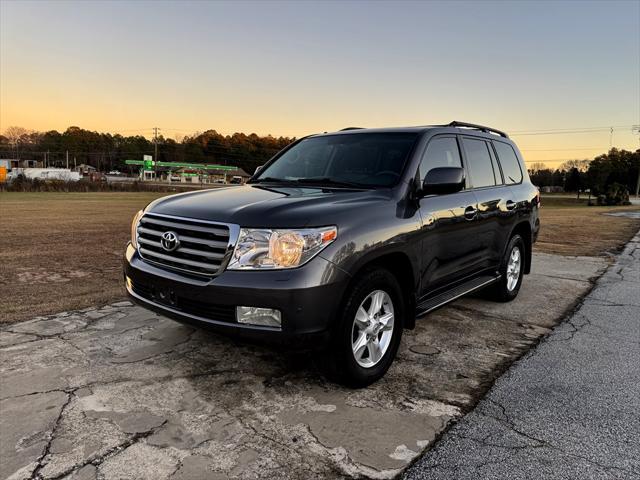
268,206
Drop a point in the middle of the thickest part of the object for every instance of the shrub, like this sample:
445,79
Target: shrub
616,194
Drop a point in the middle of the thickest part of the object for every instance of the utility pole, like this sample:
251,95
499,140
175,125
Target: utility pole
155,155
611,139
67,159
636,129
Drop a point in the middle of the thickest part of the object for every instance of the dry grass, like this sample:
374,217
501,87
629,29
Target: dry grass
63,251
571,227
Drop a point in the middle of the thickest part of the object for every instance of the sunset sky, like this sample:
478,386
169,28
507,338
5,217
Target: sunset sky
288,68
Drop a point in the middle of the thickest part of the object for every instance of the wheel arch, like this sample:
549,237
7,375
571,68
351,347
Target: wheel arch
399,264
524,230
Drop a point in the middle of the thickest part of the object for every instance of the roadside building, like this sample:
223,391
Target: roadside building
178,172
63,174
238,173
85,170
11,163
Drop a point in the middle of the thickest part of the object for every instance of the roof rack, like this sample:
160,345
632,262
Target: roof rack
482,128
350,128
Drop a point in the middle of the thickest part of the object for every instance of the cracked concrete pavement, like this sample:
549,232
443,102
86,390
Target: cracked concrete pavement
566,410
119,392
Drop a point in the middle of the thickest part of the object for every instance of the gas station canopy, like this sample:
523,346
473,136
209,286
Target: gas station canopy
149,164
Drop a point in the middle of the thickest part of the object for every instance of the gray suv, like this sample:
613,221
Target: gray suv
342,240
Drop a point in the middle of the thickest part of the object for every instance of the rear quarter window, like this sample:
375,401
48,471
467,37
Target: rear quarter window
509,162
479,162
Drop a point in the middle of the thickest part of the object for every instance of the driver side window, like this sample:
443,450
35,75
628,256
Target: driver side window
441,152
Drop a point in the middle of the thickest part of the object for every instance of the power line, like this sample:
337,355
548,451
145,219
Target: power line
571,131
116,153
135,129
560,149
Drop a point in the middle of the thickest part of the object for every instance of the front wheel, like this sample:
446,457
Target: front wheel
511,271
367,337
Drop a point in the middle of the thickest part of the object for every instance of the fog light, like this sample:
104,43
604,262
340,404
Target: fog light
266,317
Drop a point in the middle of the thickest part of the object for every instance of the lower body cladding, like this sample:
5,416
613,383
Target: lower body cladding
294,307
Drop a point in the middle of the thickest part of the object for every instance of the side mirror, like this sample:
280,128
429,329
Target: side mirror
443,180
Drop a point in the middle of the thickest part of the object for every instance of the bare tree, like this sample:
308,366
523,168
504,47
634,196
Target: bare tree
536,167
580,165
15,135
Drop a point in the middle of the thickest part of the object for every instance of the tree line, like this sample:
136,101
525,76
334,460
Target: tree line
106,151
614,167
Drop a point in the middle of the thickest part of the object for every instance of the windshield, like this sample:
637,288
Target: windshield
366,160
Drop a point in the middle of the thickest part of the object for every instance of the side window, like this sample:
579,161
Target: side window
441,152
509,163
479,162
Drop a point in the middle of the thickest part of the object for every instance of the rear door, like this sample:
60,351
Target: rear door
449,250
492,195
518,205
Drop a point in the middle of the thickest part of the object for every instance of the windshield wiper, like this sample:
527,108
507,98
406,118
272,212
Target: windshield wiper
330,182
274,180
315,181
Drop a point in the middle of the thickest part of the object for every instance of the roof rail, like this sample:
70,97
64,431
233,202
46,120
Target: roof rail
482,128
350,128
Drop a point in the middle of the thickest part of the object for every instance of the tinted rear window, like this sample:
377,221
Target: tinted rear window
479,162
509,163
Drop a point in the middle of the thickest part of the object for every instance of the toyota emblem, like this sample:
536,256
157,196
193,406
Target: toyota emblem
170,241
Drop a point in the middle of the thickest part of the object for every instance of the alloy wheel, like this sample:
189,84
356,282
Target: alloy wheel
513,268
372,329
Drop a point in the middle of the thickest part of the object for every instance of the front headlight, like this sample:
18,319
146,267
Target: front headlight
134,228
259,248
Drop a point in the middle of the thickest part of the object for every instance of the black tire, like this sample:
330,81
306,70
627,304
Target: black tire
499,291
341,362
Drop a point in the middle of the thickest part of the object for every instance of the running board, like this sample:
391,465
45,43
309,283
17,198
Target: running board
449,296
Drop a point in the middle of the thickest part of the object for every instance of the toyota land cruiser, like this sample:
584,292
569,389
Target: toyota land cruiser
342,240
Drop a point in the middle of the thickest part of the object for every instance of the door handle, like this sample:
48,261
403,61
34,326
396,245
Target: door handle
470,212
510,205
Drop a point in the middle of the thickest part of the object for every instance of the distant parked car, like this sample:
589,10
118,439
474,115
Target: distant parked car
236,180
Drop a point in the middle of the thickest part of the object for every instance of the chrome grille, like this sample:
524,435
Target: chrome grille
202,249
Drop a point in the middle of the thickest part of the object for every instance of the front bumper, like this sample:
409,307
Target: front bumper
308,298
